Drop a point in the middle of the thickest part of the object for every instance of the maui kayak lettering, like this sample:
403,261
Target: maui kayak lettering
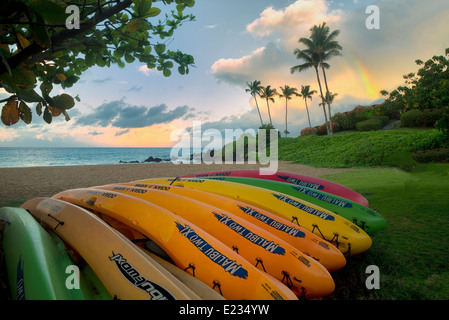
268,245
301,182
186,180
292,231
104,194
134,190
322,197
228,265
303,207
155,291
215,174
153,186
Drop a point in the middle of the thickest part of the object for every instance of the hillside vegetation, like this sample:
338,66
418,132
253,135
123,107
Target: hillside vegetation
360,149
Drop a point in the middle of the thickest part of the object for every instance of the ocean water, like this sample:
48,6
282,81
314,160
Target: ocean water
11,157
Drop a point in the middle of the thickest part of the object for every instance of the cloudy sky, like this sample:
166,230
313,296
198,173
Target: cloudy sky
238,41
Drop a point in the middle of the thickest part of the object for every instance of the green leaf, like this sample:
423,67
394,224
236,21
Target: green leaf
153,12
189,3
25,112
10,113
63,101
47,116
39,33
180,7
29,96
129,57
39,108
167,73
53,12
159,48
134,25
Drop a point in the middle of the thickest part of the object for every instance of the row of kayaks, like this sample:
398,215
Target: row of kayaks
220,235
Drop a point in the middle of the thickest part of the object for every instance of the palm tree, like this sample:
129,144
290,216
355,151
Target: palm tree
311,60
330,97
268,94
307,94
326,47
254,88
287,93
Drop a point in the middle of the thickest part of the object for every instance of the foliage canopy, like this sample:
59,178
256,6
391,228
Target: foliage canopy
42,44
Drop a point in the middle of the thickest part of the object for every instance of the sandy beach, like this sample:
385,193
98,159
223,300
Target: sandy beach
28,183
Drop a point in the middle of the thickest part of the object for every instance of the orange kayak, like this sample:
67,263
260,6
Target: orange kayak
302,239
303,275
191,248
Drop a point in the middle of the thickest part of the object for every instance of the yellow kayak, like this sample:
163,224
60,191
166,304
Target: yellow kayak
125,272
303,275
190,248
302,239
345,235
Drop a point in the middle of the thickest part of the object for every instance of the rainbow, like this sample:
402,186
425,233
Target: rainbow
372,88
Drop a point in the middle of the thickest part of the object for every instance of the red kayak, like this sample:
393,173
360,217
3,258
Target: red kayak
293,178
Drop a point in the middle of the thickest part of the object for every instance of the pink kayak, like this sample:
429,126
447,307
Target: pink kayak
293,178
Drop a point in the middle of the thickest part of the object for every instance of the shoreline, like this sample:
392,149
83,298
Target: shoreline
23,183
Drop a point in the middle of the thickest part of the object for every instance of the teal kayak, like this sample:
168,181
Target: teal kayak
37,264
369,220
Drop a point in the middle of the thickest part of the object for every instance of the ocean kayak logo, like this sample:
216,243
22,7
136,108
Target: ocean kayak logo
268,245
291,231
305,208
301,183
155,291
230,266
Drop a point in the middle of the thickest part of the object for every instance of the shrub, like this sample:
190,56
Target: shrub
389,109
372,124
345,122
431,116
443,125
412,118
322,130
383,120
421,118
309,130
348,120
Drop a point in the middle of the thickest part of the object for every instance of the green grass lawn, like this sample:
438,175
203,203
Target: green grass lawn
412,253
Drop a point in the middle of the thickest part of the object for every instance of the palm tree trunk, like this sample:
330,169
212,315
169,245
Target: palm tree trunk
269,114
328,103
308,116
322,98
258,110
286,117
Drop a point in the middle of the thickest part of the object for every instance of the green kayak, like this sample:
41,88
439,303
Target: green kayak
38,265
369,220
